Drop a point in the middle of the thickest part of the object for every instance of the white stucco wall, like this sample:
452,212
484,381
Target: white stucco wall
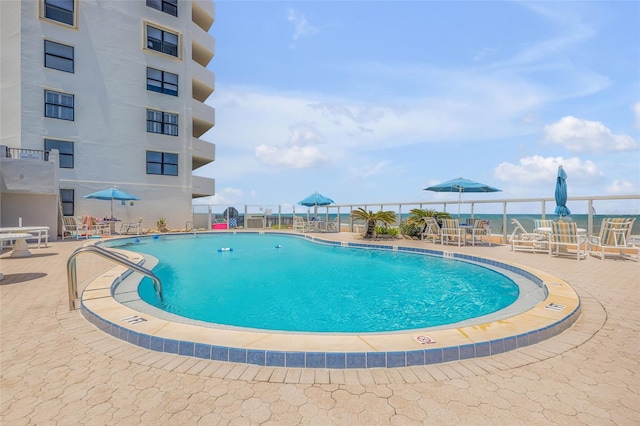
111,99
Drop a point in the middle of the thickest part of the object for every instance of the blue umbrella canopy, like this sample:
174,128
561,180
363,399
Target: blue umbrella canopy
112,193
561,194
316,199
461,185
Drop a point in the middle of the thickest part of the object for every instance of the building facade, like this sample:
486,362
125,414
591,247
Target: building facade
118,88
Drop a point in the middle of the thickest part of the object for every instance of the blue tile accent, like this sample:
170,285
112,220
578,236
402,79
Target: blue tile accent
203,351
294,359
497,346
396,359
533,337
237,355
132,337
376,359
144,340
467,351
510,343
171,346
522,339
220,353
415,357
123,333
275,358
483,349
356,360
156,344
256,356
433,356
336,360
452,353
186,348
316,360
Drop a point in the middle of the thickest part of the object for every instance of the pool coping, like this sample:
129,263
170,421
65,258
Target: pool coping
557,312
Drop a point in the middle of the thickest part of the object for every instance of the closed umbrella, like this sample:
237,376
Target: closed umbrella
112,193
561,194
461,185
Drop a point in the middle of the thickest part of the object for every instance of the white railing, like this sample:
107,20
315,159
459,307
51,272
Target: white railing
587,209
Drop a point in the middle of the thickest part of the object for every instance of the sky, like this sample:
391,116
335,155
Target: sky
373,101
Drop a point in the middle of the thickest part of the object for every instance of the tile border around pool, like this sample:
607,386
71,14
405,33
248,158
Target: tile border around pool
94,313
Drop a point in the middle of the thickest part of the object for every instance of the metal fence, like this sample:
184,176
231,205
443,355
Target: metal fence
587,211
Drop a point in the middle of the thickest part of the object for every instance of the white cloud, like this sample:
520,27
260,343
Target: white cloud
537,169
295,157
622,187
579,135
367,171
304,134
227,196
301,27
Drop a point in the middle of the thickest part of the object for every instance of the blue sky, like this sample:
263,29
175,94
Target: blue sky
372,101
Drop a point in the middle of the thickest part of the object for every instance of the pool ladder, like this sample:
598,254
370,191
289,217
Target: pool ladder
72,276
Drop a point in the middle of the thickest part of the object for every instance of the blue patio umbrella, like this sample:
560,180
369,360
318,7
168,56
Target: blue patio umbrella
112,193
314,200
561,194
461,185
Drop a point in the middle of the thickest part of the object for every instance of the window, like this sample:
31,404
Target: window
60,10
58,105
58,56
66,199
162,163
162,41
66,152
167,6
162,122
162,82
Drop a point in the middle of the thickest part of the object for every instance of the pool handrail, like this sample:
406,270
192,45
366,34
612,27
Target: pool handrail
72,277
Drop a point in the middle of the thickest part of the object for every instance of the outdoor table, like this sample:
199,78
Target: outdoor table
547,230
37,232
20,248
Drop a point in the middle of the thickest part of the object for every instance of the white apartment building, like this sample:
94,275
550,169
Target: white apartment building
118,88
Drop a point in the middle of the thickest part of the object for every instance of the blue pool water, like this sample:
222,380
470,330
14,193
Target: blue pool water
279,282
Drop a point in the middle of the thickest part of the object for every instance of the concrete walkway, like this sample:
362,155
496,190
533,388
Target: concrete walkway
56,368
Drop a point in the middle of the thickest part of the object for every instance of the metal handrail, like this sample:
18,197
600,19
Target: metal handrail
72,277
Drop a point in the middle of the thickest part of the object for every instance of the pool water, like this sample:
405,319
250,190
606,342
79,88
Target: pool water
286,283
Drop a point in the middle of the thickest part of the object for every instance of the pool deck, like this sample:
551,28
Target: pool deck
56,367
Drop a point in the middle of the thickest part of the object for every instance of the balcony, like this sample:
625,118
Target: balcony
203,46
203,153
202,82
204,118
202,186
203,13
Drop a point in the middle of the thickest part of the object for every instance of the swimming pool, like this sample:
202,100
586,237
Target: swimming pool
279,282
139,323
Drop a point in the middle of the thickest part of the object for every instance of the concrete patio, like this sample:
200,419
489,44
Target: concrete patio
58,368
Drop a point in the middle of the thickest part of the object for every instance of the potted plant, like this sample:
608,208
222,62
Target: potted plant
162,224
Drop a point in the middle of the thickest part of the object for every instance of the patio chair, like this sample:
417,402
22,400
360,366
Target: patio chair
541,223
300,225
614,240
522,240
481,228
564,236
74,228
431,231
452,233
127,227
332,226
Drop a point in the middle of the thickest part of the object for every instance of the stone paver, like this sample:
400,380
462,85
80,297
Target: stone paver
56,368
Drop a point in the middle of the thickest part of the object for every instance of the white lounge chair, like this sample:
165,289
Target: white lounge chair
431,231
300,225
522,240
74,228
127,227
481,229
614,240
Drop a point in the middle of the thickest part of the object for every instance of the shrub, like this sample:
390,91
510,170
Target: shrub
410,230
